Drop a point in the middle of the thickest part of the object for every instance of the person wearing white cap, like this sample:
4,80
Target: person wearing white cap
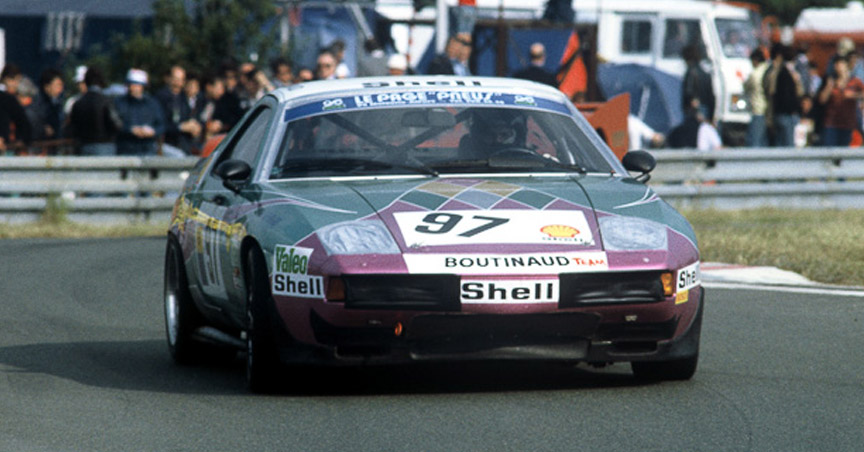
397,64
143,121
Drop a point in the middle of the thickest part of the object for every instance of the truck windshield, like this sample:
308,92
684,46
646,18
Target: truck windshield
737,37
681,33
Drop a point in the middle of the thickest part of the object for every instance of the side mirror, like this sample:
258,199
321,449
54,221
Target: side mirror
233,172
639,162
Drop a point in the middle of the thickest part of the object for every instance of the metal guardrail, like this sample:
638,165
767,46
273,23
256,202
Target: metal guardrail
109,189
91,189
745,178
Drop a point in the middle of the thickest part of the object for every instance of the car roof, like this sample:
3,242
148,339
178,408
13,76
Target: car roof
371,85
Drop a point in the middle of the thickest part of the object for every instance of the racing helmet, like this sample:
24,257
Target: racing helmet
498,127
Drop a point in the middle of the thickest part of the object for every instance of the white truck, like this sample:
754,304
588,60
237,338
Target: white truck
652,33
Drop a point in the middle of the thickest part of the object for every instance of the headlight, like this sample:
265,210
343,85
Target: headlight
629,233
357,237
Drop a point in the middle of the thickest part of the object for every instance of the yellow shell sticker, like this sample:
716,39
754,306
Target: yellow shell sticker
559,231
682,297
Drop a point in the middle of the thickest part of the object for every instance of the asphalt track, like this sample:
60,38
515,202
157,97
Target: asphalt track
84,367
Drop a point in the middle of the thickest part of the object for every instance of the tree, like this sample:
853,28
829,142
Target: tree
201,36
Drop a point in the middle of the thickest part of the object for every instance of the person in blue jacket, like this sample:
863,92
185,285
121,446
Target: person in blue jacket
143,121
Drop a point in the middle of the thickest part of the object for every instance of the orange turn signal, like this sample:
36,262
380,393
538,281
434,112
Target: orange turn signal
335,289
397,330
668,281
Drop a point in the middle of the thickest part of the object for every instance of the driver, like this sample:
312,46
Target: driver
492,130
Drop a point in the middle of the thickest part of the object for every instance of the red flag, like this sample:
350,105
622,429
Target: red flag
573,76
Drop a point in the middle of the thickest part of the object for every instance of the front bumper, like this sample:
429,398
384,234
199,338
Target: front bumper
558,335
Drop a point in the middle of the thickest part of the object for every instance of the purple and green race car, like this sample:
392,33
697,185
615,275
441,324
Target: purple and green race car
393,220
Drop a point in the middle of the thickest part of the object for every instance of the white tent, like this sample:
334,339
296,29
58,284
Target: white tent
832,20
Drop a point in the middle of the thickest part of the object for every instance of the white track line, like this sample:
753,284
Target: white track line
840,292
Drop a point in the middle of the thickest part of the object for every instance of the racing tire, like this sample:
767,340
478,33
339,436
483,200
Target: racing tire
181,316
676,369
680,368
262,354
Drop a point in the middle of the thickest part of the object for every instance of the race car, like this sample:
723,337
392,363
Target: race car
396,220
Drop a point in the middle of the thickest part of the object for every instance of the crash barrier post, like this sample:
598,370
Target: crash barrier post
91,189
750,178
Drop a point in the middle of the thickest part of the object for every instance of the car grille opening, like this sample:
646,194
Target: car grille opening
408,292
581,289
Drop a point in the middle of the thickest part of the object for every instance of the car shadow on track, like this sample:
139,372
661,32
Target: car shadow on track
146,366
128,365
453,377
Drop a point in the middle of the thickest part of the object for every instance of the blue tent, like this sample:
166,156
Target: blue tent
485,52
48,33
655,96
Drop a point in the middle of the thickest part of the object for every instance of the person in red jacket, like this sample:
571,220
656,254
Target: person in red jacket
840,95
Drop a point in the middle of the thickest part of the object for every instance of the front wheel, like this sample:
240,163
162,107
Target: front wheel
262,356
181,316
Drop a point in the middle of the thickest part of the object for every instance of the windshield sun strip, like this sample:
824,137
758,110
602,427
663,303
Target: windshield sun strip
312,108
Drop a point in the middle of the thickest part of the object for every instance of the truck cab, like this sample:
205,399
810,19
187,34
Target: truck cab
653,34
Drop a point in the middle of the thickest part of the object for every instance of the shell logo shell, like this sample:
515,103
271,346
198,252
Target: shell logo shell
559,231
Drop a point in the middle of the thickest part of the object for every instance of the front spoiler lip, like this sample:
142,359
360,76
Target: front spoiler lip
381,348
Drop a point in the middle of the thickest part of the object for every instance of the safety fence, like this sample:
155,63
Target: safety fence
91,189
743,178
136,190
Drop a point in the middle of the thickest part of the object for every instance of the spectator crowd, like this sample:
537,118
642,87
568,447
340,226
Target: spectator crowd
176,119
792,103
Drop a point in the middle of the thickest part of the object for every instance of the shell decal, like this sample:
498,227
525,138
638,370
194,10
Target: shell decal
559,231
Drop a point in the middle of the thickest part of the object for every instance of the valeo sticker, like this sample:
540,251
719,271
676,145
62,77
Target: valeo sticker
291,259
290,273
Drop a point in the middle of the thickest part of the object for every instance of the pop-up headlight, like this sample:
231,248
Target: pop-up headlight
357,237
630,233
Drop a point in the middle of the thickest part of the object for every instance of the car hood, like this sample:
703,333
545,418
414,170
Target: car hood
471,215
438,215
482,214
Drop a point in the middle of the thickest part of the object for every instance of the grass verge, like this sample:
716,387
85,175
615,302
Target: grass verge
66,229
824,246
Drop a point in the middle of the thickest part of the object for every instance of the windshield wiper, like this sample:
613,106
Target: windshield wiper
567,166
518,158
346,165
510,163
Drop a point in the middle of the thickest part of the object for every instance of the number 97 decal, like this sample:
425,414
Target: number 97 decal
443,223
493,226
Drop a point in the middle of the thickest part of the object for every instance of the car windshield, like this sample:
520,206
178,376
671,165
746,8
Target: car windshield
738,37
435,140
